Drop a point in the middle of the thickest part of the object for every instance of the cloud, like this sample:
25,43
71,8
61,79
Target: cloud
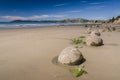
12,17
100,17
97,17
95,3
95,7
58,5
57,16
38,16
75,11
84,1
34,17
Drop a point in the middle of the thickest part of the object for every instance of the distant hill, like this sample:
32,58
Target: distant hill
63,21
114,20
117,20
68,20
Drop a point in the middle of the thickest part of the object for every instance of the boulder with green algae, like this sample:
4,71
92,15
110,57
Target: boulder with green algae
95,32
94,41
70,55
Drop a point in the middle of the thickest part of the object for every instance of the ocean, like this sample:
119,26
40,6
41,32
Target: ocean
31,24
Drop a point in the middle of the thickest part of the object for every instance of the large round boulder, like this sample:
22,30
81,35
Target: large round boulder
95,32
94,41
70,55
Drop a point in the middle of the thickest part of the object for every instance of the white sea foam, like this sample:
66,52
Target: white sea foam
23,25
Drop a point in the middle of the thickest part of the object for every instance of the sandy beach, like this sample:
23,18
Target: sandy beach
27,54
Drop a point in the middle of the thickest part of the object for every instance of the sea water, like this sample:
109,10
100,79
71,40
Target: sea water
31,24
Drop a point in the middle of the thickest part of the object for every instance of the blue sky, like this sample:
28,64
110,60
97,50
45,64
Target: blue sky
58,9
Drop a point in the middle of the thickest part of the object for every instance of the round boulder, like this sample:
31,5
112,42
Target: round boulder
88,31
70,55
94,41
101,30
113,28
95,32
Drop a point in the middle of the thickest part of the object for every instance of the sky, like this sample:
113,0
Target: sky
58,9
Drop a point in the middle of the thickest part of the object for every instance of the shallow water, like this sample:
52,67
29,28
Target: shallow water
31,24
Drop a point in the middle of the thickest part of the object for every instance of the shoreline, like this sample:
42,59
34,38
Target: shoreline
83,25
47,25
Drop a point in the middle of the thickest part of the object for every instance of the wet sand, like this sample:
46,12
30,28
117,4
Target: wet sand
27,54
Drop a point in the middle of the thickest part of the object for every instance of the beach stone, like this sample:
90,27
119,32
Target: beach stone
70,55
95,32
88,31
107,29
101,30
94,41
112,28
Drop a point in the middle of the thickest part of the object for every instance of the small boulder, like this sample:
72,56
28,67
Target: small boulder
70,55
107,29
101,30
88,31
112,28
95,32
94,41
